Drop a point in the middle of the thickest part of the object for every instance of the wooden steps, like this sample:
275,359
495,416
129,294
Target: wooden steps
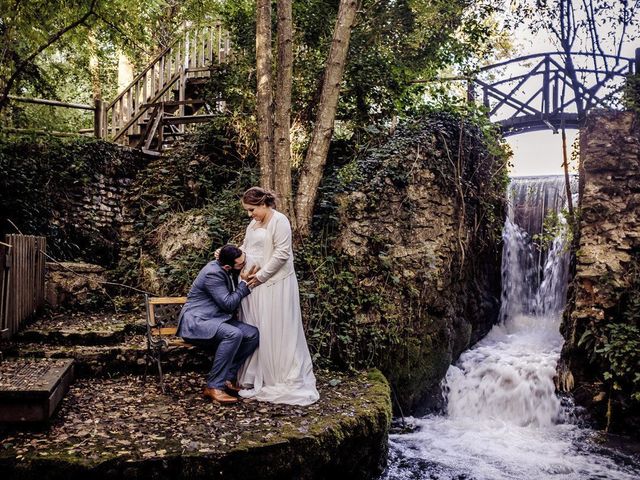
167,95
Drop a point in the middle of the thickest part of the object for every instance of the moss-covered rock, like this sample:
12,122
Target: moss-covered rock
418,244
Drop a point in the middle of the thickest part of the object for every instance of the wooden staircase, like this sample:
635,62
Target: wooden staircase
151,113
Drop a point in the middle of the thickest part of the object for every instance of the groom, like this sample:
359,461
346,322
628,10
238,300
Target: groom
209,319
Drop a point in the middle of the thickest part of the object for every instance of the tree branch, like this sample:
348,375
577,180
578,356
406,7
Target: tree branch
50,41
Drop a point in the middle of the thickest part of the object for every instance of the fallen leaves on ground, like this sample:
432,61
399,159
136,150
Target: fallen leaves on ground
124,417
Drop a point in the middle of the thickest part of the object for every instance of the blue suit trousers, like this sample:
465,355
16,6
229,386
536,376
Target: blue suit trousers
233,343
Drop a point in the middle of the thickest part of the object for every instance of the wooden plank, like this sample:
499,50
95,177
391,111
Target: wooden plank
203,47
28,270
181,120
165,331
24,291
5,252
19,285
220,54
166,300
209,46
31,389
41,249
161,73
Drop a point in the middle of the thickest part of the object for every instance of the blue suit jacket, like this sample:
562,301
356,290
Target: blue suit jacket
211,301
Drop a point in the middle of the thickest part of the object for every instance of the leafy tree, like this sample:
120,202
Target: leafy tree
391,45
71,56
47,47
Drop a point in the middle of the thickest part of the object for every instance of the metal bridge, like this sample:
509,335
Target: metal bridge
550,90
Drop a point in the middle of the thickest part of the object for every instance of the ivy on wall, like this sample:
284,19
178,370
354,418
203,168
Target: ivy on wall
44,184
201,181
348,323
614,345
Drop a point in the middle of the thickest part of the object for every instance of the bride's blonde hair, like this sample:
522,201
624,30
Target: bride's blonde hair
259,196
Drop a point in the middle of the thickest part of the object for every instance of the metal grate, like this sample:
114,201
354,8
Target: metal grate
31,389
166,315
31,374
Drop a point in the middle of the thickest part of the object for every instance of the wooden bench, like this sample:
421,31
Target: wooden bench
162,323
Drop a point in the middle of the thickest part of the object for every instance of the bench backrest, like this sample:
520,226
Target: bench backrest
162,314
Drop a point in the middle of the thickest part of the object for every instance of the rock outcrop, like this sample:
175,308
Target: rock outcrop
420,230
607,267
119,428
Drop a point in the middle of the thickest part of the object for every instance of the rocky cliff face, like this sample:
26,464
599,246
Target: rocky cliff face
599,320
421,231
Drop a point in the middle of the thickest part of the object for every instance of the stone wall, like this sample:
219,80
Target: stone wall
607,253
73,284
422,231
70,190
94,212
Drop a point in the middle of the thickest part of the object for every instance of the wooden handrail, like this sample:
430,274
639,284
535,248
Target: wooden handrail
125,127
149,67
54,103
190,56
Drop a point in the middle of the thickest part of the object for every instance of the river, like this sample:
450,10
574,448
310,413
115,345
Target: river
504,420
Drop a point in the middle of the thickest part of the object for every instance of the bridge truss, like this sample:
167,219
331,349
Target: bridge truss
550,90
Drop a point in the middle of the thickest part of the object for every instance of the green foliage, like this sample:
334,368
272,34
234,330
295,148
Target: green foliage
82,62
335,306
392,44
42,182
614,346
203,177
554,225
351,305
621,349
631,95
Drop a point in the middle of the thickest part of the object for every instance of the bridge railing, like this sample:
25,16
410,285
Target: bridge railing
553,91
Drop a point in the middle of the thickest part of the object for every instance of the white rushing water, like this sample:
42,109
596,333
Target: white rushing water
504,420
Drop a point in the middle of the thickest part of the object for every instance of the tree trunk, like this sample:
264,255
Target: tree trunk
313,167
264,96
282,120
94,67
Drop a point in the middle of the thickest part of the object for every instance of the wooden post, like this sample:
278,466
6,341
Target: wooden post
637,61
182,90
5,265
99,119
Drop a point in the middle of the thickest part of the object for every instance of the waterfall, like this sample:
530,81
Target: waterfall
534,280
504,419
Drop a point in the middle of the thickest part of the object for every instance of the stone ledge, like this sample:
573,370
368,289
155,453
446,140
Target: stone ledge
121,429
80,328
111,360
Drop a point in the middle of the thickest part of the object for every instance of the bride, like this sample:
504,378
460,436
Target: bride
280,370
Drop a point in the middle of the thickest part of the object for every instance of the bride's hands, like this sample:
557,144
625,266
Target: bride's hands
253,281
249,276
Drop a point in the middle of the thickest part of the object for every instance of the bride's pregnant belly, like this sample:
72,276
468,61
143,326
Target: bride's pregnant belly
254,259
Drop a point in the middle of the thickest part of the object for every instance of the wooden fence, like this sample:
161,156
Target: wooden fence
22,272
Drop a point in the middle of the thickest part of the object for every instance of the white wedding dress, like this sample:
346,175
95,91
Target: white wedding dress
280,370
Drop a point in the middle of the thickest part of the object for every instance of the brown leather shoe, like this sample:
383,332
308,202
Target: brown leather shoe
219,396
232,386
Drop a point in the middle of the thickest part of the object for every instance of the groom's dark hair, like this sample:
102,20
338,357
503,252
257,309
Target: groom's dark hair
228,255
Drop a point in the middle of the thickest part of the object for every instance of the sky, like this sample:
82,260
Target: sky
540,153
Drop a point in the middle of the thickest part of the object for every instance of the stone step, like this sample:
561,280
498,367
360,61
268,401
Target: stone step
115,360
83,329
123,428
